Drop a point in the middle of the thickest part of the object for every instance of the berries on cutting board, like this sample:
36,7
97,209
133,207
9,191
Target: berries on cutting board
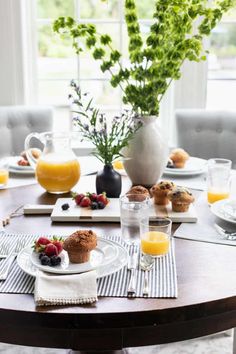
78,198
92,200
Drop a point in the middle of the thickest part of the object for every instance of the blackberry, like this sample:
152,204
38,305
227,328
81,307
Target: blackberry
94,205
65,206
41,254
45,260
55,260
101,205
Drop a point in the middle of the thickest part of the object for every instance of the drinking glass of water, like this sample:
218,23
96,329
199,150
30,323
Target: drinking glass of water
133,209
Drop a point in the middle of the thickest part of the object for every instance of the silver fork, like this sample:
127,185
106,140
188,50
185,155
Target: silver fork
10,259
229,235
146,264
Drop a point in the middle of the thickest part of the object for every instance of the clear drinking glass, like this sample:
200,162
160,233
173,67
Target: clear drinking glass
218,179
155,236
133,208
4,173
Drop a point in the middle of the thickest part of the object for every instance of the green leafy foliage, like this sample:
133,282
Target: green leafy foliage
108,137
176,34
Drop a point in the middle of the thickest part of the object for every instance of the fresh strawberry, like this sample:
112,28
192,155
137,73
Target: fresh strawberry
59,245
103,198
41,243
93,197
85,202
23,162
78,197
43,240
51,250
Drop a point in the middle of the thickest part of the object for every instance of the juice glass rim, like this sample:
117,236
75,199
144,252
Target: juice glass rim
223,162
166,222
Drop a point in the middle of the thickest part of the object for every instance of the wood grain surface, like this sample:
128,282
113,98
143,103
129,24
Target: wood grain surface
206,302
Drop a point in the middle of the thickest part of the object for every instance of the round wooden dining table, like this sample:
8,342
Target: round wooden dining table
206,303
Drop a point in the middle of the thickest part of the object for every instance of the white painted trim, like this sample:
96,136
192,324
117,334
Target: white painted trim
11,59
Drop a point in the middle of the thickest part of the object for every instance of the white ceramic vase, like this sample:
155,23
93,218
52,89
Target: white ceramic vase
147,153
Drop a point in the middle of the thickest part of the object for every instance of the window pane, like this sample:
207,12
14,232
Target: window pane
62,119
89,67
55,8
222,58
99,9
54,92
145,8
221,94
56,58
102,92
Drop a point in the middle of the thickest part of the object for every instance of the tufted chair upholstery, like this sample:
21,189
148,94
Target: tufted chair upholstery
207,134
16,122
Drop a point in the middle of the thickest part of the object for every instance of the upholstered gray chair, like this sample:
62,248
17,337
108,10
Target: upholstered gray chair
16,122
207,133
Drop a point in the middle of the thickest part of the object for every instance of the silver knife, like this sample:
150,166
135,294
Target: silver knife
132,266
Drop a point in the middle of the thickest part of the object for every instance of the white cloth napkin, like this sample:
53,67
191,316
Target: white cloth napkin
70,289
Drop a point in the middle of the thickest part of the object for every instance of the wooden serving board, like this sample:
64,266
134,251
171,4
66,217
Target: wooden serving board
111,213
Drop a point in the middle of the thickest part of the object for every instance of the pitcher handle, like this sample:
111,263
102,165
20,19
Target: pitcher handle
32,160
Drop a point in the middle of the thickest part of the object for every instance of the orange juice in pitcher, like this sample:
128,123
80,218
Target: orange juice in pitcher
57,169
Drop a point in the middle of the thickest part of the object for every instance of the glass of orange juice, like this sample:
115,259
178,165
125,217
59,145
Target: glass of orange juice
4,173
155,236
218,179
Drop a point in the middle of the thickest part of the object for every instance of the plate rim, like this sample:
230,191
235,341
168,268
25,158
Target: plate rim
119,247
181,172
215,210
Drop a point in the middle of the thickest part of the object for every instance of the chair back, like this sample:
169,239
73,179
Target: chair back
16,122
207,133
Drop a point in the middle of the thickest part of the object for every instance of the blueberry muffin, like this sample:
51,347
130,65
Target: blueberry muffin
138,194
179,157
160,191
79,245
180,198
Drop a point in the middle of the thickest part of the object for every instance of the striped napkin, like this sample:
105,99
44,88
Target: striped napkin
65,289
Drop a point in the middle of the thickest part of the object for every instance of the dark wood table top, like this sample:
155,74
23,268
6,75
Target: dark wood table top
206,300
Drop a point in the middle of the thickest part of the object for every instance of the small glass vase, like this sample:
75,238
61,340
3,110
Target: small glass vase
109,181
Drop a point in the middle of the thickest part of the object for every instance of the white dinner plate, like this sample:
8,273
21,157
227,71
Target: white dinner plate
15,168
113,254
193,166
223,210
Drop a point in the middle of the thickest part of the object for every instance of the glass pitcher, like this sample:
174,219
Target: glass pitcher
57,169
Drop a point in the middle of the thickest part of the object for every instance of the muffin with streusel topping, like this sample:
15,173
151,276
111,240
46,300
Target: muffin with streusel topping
160,191
179,157
79,245
138,194
180,198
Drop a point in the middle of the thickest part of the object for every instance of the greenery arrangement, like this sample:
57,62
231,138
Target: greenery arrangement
108,136
176,34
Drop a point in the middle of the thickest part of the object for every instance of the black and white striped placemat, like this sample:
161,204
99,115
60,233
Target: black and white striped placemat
162,278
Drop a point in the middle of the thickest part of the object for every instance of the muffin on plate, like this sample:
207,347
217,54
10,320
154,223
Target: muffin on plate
138,193
79,245
160,191
180,198
179,157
